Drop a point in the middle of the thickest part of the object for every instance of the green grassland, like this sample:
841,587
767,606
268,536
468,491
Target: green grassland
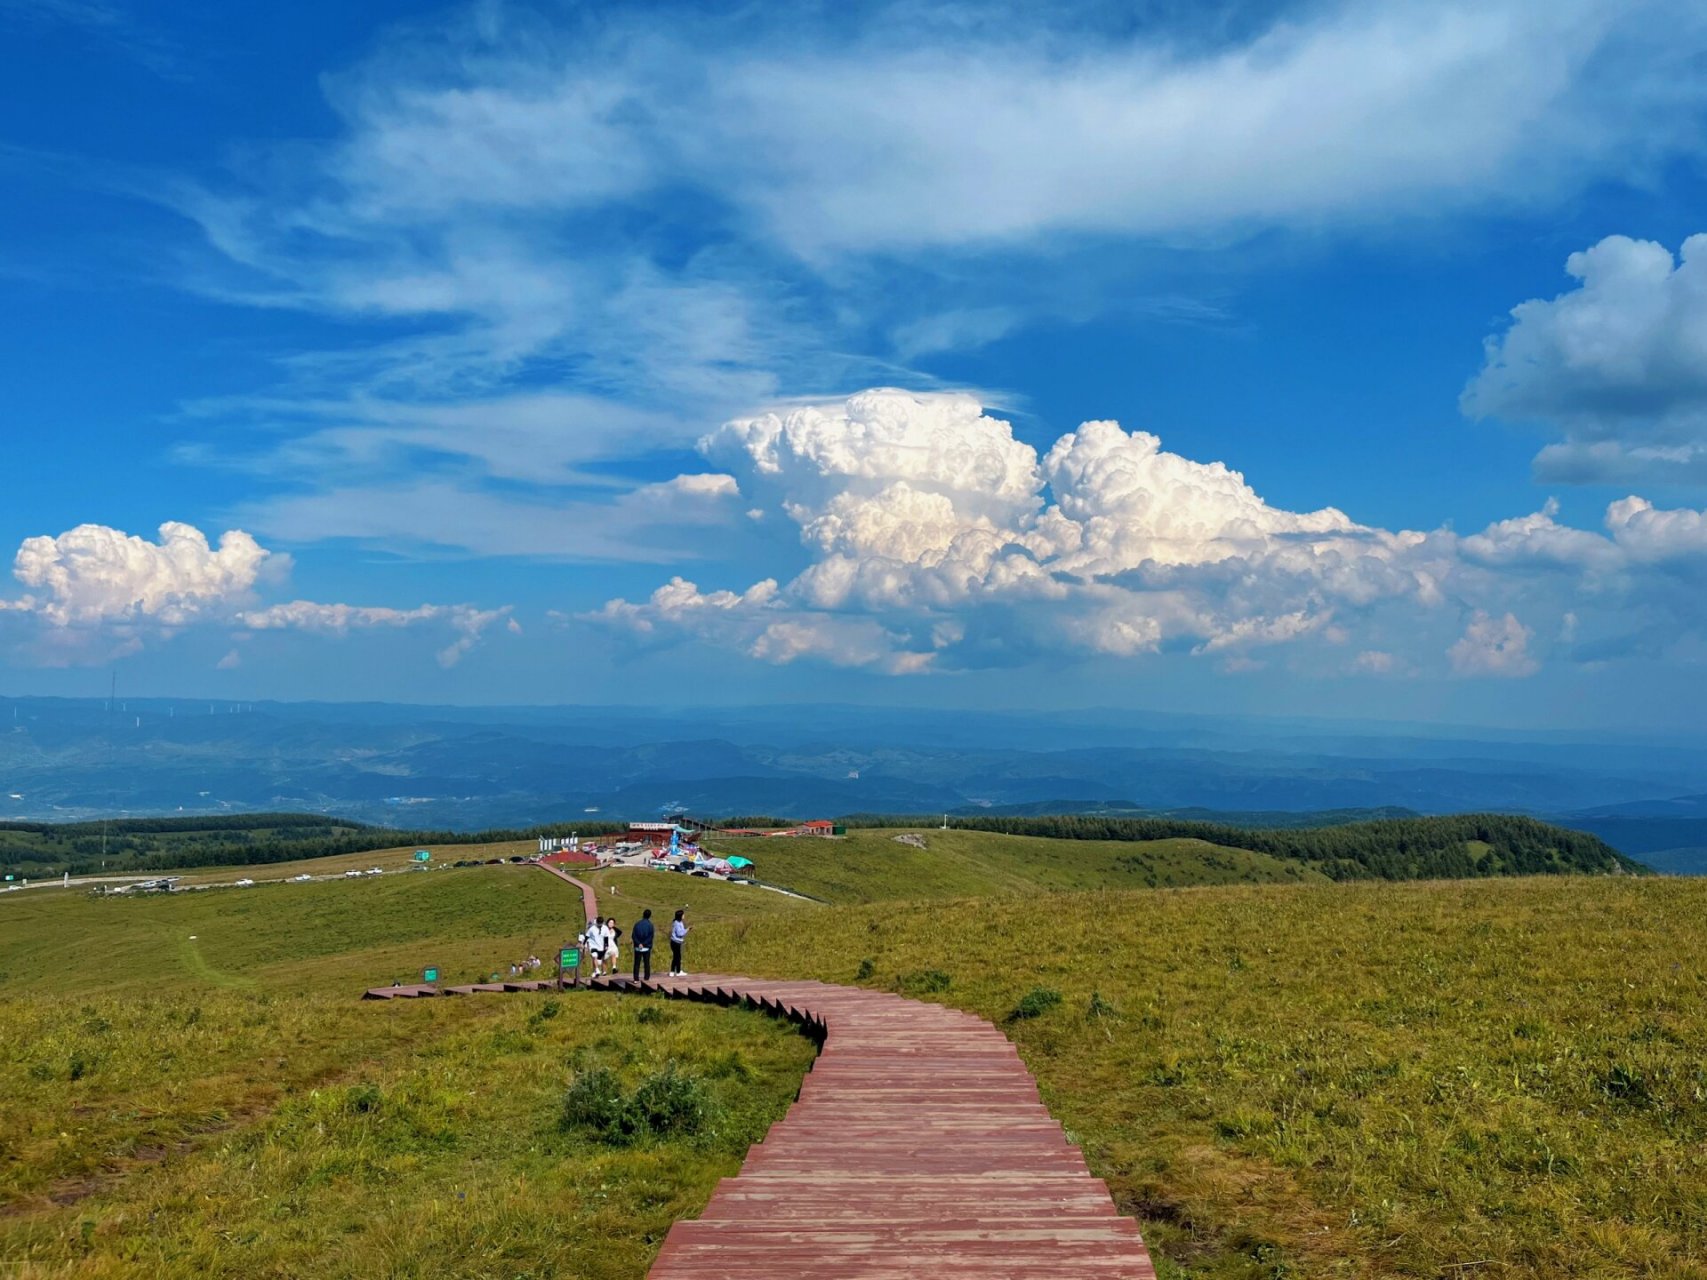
1286,1078
189,1086
395,858
625,892
877,864
441,1156
1499,1078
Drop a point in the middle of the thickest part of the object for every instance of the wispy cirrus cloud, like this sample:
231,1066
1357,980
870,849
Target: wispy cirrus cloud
594,234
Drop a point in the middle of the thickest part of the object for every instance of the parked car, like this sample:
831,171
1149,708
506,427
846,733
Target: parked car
373,871
303,876
494,862
516,857
683,867
244,883
703,874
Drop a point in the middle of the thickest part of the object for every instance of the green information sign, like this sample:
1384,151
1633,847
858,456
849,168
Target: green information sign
430,975
421,855
570,959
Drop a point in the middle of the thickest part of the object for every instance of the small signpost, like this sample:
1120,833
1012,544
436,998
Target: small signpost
569,965
430,974
421,855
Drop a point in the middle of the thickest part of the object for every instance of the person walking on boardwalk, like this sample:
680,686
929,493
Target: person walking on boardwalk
642,936
612,934
678,935
593,944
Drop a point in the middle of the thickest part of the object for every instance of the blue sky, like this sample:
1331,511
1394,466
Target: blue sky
519,353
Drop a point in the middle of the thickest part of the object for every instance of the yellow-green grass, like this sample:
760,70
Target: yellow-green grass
626,891
359,932
440,1156
137,1021
225,1104
1499,1078
876,865
397,859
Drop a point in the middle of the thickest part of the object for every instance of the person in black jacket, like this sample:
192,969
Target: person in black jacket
642,939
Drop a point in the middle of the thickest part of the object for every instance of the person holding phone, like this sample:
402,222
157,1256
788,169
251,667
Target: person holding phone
678,936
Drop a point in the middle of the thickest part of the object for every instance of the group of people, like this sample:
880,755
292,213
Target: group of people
602,935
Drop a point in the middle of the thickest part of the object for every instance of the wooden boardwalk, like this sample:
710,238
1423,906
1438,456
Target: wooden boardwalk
918,1148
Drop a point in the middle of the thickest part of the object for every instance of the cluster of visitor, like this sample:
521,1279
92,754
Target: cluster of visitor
601,938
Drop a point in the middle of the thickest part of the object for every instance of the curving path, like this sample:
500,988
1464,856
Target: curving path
918,1148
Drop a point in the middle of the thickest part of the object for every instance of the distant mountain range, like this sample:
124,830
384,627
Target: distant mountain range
468,768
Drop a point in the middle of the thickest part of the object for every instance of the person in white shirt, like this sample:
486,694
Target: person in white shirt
593,945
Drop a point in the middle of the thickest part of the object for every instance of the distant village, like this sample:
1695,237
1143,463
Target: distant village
673,845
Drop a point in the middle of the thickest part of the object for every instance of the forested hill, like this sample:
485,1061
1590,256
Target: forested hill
1393,849
1462,845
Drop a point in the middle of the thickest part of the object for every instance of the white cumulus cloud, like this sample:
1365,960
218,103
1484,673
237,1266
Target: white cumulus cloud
113,589
1493,647
95,574
935,538
1617,365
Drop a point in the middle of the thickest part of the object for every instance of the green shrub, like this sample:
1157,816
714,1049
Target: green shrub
1035,1003
867,967
669,1103
664,1104
596,1104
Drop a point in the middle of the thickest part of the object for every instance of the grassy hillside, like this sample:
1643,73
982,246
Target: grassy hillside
273,936
1286,1079
189,1087
43,849
625,892
875,865
1438,1079
1456,845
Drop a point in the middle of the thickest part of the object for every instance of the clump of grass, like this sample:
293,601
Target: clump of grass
652,1015
1035,1003
665,1104
928,981
867,967
1098,1009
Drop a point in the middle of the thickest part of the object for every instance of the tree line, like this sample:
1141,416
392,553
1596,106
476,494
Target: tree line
1390,849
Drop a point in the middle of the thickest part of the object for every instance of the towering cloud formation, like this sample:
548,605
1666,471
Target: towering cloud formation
936,538
94,574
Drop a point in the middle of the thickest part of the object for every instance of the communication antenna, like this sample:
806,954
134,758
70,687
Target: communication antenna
112,695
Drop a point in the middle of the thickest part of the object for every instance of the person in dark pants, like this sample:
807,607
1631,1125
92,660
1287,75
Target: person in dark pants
642,936
678,935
